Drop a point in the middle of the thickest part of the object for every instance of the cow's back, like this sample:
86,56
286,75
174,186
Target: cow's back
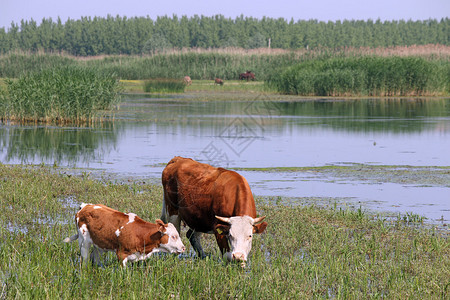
197,192
103,223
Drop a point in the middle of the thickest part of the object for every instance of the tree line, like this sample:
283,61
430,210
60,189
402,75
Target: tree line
140,35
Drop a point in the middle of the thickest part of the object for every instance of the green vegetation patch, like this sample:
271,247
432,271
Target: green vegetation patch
62,94
306,251
164,85
366,75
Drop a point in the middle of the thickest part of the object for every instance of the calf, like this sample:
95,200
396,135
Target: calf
130,237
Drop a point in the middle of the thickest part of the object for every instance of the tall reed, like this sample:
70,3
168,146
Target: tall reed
63,94
366,75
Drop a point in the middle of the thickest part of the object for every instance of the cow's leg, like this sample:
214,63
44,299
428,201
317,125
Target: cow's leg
122,257
194,239
95,255
85,242
84,249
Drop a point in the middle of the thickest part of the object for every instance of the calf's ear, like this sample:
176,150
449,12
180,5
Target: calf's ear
161,226
259,228
222,229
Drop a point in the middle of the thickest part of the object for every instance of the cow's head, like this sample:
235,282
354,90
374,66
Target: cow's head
170,239
239,232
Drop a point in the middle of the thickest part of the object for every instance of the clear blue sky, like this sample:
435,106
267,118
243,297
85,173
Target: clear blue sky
323,10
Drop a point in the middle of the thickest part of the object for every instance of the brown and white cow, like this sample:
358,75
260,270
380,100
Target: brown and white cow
130,237
211,200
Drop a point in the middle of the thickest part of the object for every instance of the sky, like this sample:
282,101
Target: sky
322,10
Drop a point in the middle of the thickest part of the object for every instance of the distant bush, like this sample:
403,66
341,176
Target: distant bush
164,85
365,75
64,94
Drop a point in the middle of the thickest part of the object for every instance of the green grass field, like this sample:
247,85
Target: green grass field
306,252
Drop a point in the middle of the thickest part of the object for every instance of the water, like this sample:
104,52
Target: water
147,133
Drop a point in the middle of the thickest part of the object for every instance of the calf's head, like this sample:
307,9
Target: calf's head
239,232
170,239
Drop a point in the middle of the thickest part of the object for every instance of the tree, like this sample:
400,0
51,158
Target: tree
257,41
157,43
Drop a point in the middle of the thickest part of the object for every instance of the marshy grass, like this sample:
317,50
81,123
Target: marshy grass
366,76
307,251
206,64
64,94
164,85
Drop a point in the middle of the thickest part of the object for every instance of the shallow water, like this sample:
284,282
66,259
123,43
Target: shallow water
147,133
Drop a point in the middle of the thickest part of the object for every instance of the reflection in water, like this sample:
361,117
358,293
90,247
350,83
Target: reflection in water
147,133
66,145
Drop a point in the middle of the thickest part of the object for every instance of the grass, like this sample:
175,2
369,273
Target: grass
199,86
164,85
307,251
65,94
365,76
205,64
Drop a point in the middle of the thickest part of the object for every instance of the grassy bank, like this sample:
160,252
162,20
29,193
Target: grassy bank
307,252
63,94
198,87
164,85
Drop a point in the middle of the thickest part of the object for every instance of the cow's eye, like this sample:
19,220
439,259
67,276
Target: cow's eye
174,237
250,236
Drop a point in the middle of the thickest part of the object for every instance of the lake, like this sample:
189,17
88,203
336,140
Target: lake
147,132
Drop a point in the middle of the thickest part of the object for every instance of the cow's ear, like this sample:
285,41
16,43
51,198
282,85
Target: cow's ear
259,228
222,229
161,226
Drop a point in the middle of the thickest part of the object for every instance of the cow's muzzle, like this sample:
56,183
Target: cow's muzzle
238,256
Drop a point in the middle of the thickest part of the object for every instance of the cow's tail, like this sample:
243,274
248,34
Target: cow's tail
71,239
164,217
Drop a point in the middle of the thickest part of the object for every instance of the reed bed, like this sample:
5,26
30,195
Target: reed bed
199,63
62,94
366,75
306,252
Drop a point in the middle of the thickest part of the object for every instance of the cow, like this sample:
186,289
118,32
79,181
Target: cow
214,201
247,75
187,80
218,81
130,237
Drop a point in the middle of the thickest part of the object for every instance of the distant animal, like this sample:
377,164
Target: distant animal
218,81
247,75
211,200
187,80
130,237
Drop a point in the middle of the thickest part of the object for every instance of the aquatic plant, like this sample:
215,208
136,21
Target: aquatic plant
62,94
365,75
